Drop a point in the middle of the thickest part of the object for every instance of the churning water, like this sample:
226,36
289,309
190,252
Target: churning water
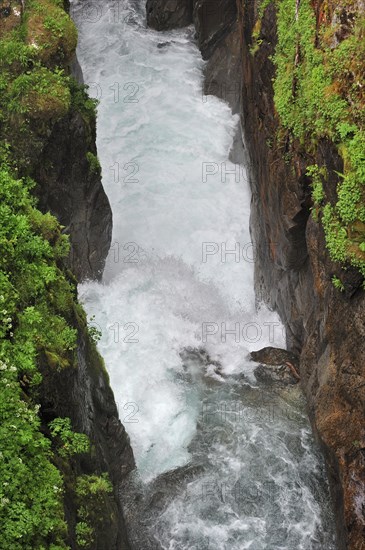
223,463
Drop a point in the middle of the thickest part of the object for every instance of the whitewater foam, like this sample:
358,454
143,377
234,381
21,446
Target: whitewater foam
179,276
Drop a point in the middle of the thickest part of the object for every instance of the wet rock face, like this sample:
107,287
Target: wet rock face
277,366
218,38
71,190
294,272
68,178
169,14
74,194
213,21
61,158
278,375
274,356
222,72
84,395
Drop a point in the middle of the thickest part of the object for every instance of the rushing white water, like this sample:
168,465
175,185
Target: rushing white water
171,287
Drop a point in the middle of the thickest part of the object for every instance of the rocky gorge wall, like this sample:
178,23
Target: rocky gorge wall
294,271
47,144
71,189
83,394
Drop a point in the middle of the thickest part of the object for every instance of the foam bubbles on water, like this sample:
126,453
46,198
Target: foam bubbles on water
176,305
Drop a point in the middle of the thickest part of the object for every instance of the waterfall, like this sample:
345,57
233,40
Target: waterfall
222,461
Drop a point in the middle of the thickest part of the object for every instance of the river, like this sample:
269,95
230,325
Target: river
223,462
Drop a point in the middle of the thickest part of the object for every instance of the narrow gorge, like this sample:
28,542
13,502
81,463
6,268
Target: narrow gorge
181,202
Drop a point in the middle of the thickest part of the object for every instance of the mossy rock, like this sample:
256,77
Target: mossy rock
55,361
41,95
319,94
51,32
10,16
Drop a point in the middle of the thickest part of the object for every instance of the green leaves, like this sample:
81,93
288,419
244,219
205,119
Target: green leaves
38,298
316,174
40,93
318,92
94,164
84,534
14,51
31,322
31,509
92,494
92,485
337,283
70,442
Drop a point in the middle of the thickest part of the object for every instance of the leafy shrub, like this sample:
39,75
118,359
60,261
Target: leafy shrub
70,442
95,333
84,534
92,493
81,102
40,93
38,301
337,283
15,54
31,508
94,164
319,93
316,174
50,31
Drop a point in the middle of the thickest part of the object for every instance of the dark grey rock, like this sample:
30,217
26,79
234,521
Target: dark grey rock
69,189
169,14
163,45
84,395
293,270
213,21
274,375
200,357
76,70
274,368
222,72
274,356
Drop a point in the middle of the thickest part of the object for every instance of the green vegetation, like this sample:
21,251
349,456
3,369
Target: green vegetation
81,102
94,164
94,331
33,324
70,443
40,93
31,510
39,313
36,90
337,283
316,175
84,534
50,31
262,7
319,94
92,493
